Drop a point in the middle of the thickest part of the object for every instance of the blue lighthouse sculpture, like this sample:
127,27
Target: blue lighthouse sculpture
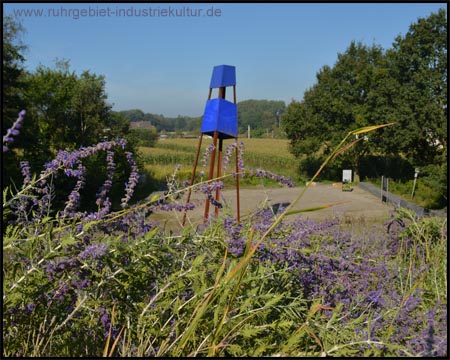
220,122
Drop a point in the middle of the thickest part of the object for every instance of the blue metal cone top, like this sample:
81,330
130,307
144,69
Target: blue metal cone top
221,116
223,75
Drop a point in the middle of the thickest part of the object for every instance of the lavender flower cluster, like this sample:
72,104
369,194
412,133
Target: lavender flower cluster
132,180
229,150
106,187
37,196
8,139
354,274
209,150
278,178
208,189
67,161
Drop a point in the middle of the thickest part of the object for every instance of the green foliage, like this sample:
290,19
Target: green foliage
164,124
367,85
13,86
262,115
418,63
426,194
12,69
71,110
144,137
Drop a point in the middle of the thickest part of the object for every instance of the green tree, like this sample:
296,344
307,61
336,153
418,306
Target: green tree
406,85
13,99
261,115
13,70
89,109
144,137
418,63
71,110
336,104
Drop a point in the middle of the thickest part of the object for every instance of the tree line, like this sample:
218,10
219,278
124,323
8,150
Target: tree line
406,84
261,115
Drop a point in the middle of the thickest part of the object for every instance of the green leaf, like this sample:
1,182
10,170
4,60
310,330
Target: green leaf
68,240
315,208
369,128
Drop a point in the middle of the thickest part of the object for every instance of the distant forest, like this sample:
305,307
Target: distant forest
263,116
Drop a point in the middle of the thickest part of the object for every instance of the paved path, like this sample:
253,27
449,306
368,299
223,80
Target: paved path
355,205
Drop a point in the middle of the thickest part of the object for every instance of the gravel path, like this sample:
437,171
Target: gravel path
355,205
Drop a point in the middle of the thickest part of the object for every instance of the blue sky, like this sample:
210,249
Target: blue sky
163,63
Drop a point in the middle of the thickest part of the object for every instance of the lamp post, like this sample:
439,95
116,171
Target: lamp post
416,173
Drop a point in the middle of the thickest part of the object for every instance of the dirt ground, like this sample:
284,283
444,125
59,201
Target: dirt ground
353,206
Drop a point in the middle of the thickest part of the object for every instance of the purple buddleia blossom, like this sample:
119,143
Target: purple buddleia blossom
211,186
229,149
26,172
106,208
13,131
54,267
106,322
106,187
132,180
70,164
74,197
278,178
133,224
209,149
80,284
44,199
213,201
241,166
67,160
175,206
94,251
208,188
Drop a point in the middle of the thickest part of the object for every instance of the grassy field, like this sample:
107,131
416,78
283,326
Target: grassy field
268,154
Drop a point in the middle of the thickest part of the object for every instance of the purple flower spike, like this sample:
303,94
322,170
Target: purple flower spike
132,180
13,131
94,251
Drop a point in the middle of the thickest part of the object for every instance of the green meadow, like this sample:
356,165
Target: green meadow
268,154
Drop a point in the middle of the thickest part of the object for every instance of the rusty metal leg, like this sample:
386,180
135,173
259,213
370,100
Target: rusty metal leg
219,167
199,146
238,206
211,173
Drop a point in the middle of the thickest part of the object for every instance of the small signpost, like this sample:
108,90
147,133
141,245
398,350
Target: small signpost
220,122
347,180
